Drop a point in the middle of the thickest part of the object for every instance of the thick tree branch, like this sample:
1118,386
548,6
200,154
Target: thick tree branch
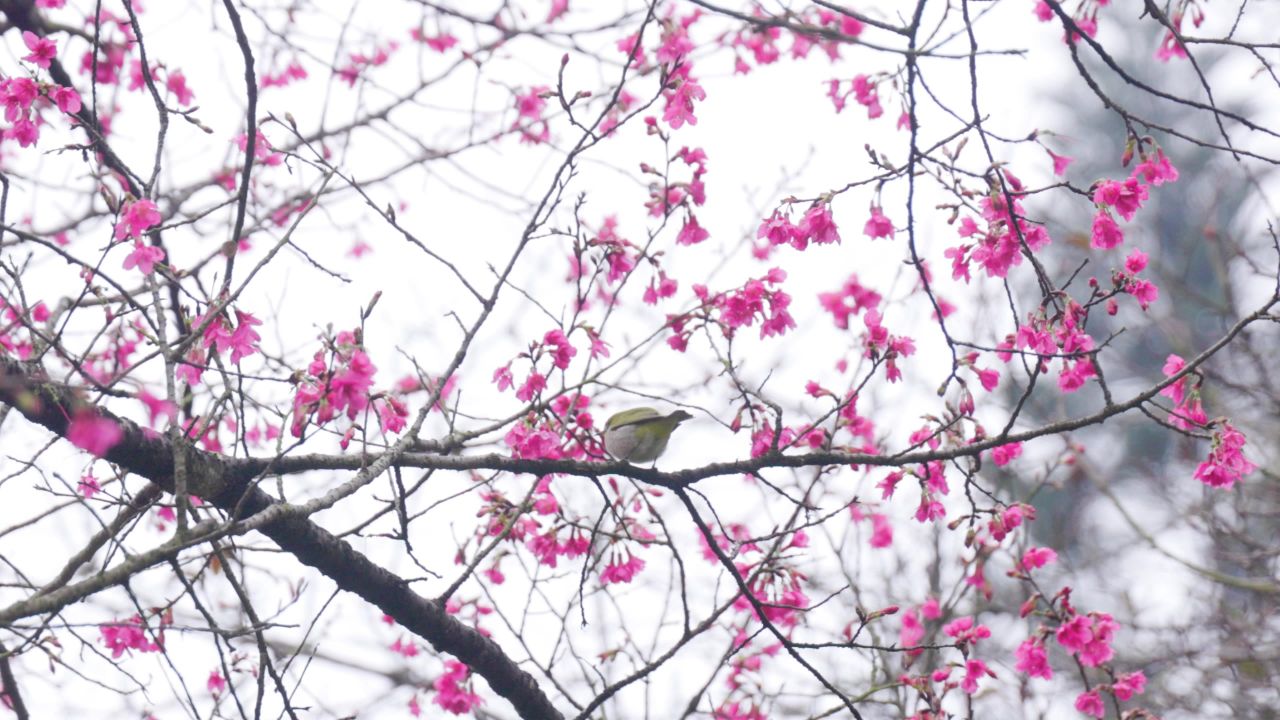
26,388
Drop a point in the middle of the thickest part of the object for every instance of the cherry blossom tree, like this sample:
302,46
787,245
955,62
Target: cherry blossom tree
314,314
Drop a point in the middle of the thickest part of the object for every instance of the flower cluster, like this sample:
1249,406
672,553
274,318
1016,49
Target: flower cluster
882,346
761,43
666,196
1126,197
289,74
219,335
913,629
1062,335
1127,281
453,689
852,298
682,90
1088,637
554,344
966,633
759,299
337,379
175,83
1226,462
359,62
763,438
865,91
997,247
529,122
932,478
1170,46
24,97
777,588
816,226
132,634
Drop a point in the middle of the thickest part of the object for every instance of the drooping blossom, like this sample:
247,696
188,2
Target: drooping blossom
878,226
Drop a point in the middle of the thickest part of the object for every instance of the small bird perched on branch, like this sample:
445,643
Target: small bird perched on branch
640,435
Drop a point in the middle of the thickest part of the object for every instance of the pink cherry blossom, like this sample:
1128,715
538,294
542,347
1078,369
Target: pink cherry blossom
244,340
1128,685
1033,660
1106,234
144,257
990,379
878,226
966,630
619,570
533,385
818,226
503,378
881,531
1226,463
1038,557
94,433
43,50
931,609
1060,163
176,83
1156,169
1004,454
157,407
1136,262
912,630
128,635
1090,703
1075,633
777,229
1074,374
740,710
974,670
1177,390
676,43
1126,197
67,99
692,233
850,300
1144,291
24,131
18,94
349,387
216,683
631,47
530,105
562,350
1170,47
137,217
453,692
679,102
88,486
865,92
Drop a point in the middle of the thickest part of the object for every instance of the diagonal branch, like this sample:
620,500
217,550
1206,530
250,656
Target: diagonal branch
25,387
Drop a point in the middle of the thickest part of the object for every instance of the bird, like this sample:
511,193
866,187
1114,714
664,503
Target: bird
640,435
